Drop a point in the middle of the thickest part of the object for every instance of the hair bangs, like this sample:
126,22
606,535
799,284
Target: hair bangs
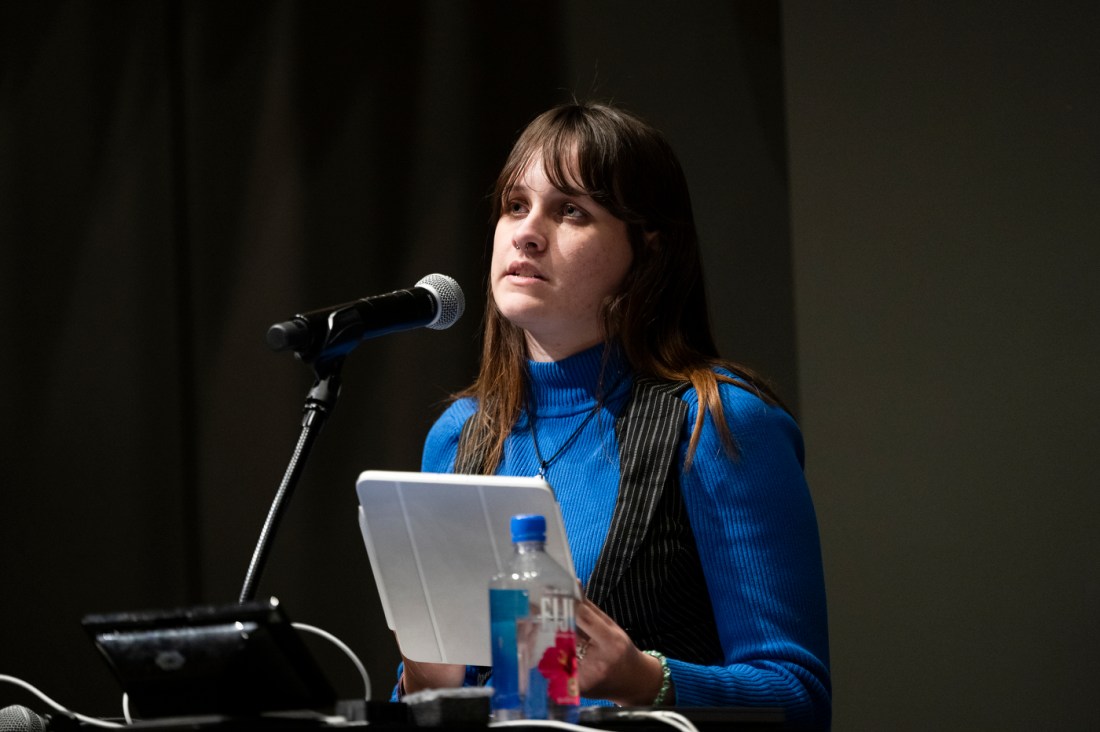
577,157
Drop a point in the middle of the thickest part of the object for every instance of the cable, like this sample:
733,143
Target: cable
347,651
552,723
57,707
673,719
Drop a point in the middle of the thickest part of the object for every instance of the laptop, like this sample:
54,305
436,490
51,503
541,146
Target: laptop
229,660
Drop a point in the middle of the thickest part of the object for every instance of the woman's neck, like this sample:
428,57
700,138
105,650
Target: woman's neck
577,381
544,349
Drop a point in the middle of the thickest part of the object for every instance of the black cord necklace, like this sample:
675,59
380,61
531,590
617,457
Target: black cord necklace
544,464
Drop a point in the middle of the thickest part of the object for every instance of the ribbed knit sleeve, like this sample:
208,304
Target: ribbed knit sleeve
441,444
757,536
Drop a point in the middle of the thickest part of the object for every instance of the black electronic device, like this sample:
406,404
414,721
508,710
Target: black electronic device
231,660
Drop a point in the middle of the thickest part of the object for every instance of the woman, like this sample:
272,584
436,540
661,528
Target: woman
679,475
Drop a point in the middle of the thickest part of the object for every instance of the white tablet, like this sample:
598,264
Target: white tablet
434,542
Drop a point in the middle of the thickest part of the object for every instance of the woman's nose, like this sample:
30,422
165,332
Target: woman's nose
529,234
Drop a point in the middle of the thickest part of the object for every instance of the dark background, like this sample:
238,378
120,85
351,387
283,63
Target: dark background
898,212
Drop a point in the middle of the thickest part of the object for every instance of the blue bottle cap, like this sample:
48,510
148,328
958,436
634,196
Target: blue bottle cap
528,527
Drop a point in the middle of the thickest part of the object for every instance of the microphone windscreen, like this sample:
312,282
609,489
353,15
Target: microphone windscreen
452,303
20,719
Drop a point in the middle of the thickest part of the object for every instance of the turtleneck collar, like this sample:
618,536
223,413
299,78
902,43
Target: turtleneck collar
573,384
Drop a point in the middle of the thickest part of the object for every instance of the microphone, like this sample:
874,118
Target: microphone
436,302
20,719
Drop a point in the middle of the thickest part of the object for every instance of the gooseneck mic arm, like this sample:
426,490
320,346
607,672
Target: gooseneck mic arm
319,404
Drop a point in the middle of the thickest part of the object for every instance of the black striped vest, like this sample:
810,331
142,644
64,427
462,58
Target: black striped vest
648,577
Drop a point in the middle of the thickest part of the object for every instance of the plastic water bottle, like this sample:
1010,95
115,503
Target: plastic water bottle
534,631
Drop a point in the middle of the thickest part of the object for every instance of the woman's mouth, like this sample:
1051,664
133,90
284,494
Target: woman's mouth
521,271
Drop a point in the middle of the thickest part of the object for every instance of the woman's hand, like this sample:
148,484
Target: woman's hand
419,675
610,665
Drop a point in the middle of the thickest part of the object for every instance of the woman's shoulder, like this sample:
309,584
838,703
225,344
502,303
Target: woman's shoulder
748,413
736,392
454,416
441,444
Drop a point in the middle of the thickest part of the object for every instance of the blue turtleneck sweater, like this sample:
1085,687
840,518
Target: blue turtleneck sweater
751,515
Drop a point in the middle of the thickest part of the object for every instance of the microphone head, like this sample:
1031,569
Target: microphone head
449,295
17,718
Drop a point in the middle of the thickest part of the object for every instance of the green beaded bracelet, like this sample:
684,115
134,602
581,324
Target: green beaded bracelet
666,678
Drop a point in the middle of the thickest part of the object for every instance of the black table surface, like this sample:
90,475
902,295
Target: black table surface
395,718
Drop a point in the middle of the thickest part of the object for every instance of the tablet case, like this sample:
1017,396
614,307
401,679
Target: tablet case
434,541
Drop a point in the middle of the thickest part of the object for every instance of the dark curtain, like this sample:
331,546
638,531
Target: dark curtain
174,177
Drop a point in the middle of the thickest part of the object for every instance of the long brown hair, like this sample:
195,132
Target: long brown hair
659,317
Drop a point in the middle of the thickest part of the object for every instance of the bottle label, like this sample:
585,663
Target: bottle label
552,685
558,666
507,609
556,613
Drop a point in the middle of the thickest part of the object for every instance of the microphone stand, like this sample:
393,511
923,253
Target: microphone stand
319,403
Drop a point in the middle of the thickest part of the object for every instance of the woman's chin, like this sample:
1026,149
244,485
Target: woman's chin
521,310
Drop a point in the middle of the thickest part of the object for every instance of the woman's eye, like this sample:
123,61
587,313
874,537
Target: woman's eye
572,211
516,207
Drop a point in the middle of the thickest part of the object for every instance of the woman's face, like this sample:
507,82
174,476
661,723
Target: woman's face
556,258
